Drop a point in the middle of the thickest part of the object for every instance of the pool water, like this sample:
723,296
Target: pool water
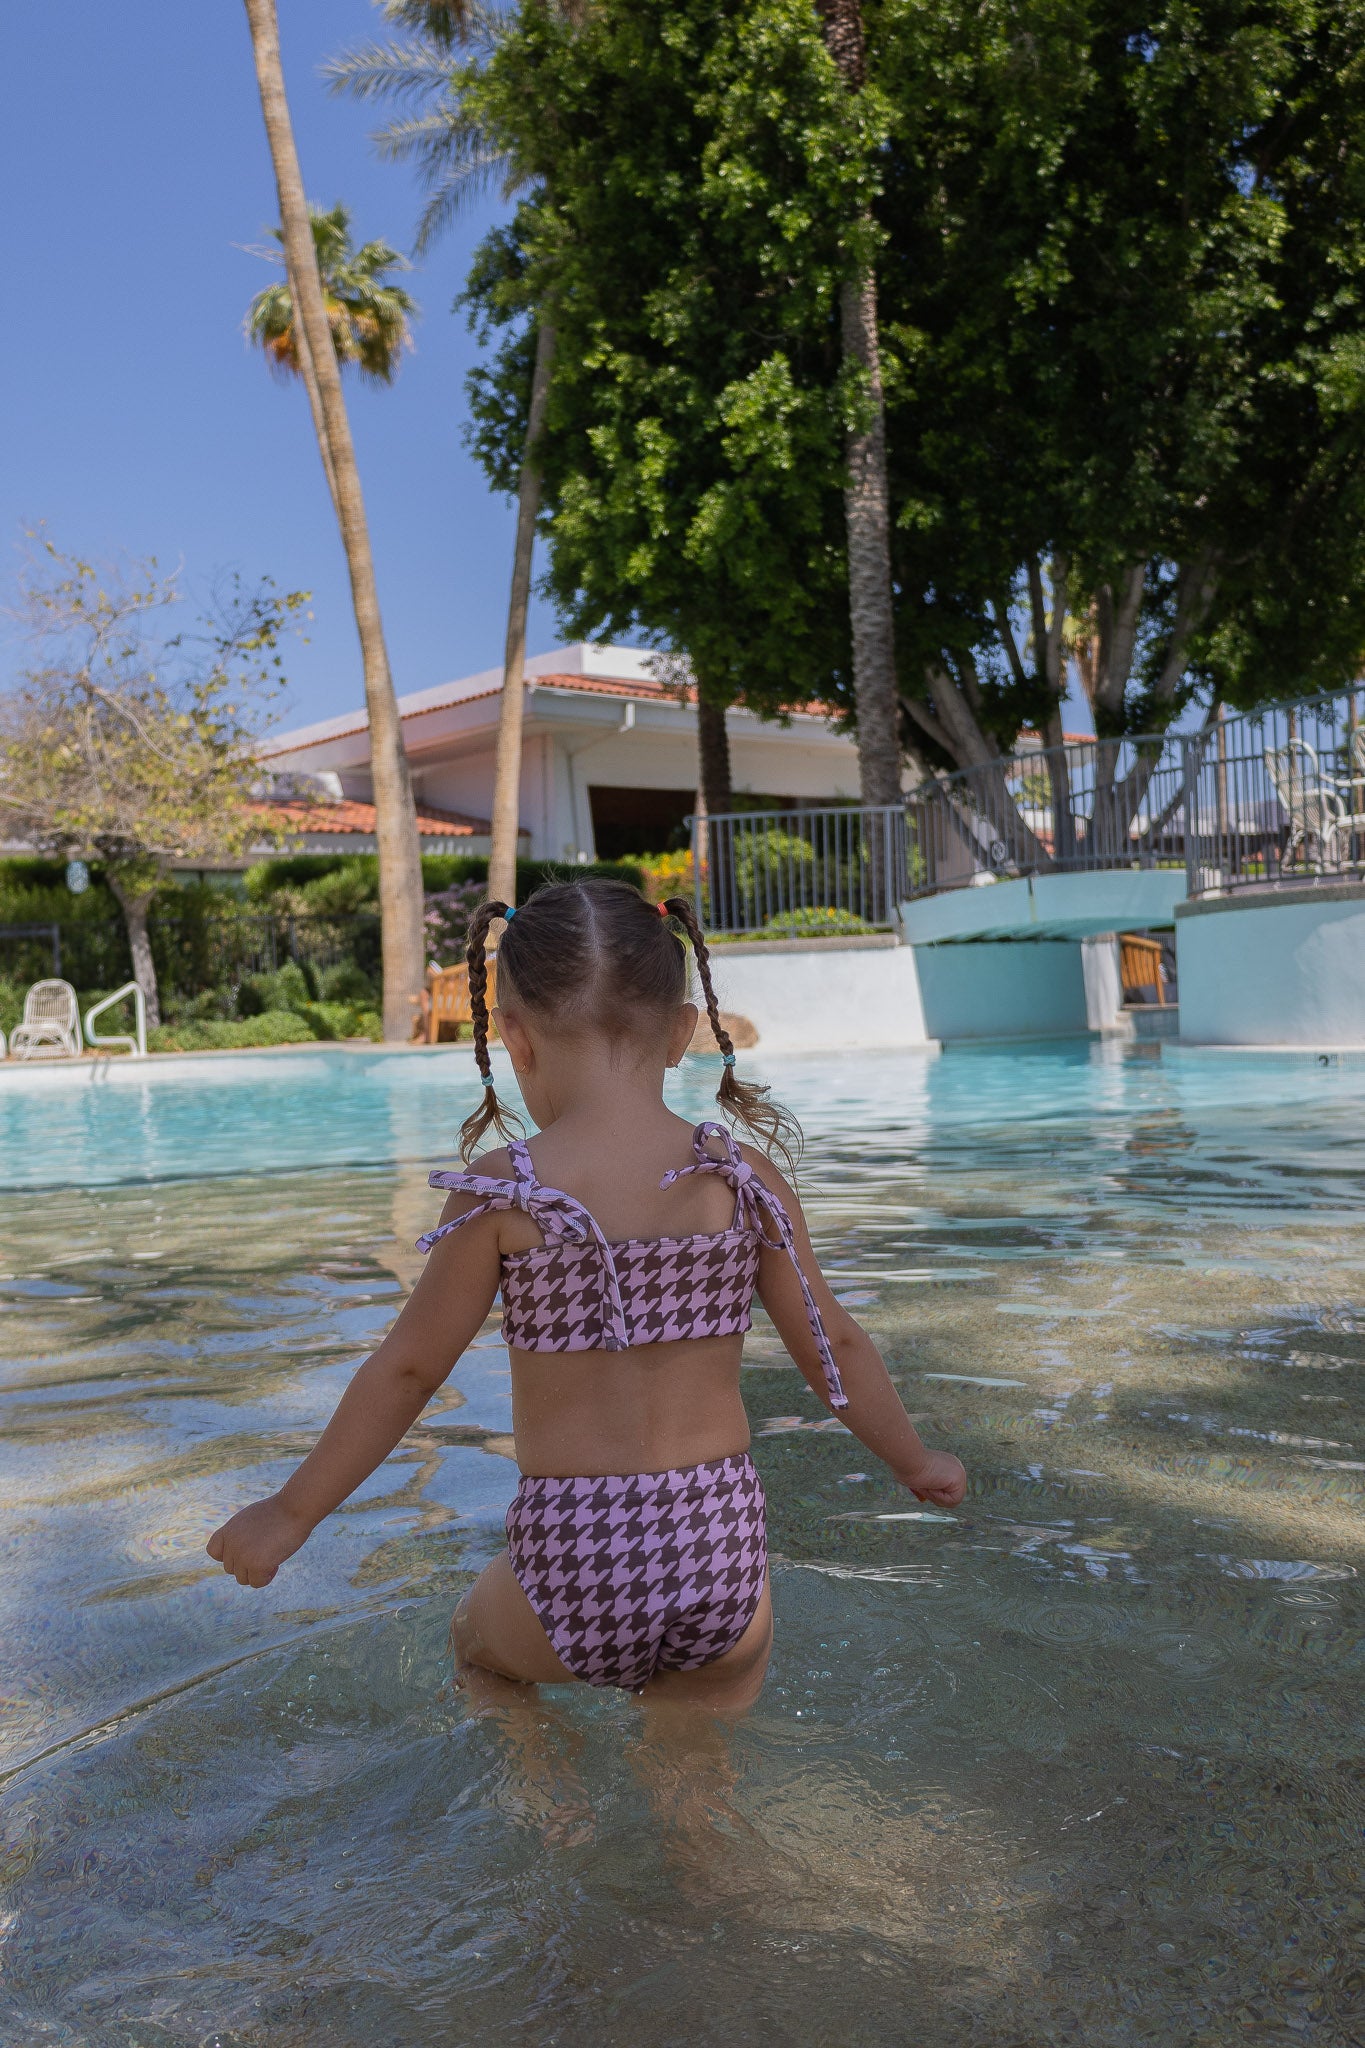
1079,1763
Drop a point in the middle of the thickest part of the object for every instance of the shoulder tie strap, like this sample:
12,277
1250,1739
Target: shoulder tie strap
560,1218
755,1204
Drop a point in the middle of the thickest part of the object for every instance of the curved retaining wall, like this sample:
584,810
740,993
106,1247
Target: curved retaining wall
823,994
1283,967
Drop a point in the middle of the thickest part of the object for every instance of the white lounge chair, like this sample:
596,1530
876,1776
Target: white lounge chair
52,1023
1311,802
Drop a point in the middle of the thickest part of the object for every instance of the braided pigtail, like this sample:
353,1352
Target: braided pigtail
490,1113
772,1127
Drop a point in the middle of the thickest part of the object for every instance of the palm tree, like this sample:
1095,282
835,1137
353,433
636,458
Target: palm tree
456,160
867,504
400,864
367,315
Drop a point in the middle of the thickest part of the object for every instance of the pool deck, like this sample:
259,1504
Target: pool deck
97,1068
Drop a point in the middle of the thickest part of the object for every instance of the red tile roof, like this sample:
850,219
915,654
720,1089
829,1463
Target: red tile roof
352,816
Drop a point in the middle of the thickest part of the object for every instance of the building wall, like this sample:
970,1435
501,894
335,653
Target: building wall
1288,972
559,767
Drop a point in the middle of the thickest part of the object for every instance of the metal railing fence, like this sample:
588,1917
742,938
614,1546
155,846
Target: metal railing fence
800,873
1272,795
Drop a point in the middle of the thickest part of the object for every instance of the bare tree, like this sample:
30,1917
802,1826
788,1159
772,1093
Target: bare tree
131,741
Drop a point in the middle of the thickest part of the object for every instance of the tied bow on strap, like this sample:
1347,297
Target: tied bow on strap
559,1217
755,1205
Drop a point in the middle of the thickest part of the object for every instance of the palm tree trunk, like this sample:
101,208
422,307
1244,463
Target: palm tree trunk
133,903
310,384
506,821
866,495
400,864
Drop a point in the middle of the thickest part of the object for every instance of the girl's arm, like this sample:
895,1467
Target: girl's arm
875,1412
444,1312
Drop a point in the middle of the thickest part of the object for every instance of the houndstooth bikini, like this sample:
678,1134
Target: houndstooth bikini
641,1572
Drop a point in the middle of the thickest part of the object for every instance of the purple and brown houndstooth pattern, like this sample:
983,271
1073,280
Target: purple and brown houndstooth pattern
642,1572
577,1292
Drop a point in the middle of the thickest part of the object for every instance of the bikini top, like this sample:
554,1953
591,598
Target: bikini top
577,1292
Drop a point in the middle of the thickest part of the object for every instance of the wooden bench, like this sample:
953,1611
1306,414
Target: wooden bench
1140,969
445,1002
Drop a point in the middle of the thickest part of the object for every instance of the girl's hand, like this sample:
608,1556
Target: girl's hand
256,1542
941,1479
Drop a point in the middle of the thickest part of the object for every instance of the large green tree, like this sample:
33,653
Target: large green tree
708,164
1123,269
1120,253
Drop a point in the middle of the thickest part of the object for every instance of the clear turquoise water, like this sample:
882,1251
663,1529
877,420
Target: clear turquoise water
1079,1764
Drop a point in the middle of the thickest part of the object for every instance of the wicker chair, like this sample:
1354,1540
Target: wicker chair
52,1023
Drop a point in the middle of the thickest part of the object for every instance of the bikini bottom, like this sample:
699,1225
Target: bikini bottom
643,1572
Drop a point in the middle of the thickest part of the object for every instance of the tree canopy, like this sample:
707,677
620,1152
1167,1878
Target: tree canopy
1120,252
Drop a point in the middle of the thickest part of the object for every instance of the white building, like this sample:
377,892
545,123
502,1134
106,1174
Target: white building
608,764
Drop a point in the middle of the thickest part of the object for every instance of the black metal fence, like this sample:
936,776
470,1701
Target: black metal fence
1277,796
1266,796
800,873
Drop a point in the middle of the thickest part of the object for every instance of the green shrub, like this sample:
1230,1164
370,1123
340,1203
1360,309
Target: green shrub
273,1027
815,922
291,987
342,1020
346,983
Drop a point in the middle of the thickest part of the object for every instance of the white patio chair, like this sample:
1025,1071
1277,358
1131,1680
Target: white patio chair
52,1023
1310,801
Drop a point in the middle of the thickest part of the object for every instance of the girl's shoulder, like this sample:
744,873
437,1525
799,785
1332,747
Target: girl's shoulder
493,1165
771,1176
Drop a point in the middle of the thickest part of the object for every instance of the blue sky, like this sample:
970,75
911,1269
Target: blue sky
135,417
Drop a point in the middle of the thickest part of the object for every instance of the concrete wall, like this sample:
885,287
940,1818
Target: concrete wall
828,996
1284,971
1043,988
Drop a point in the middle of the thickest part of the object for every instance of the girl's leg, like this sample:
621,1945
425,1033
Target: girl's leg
496,1633
731,1684
683,1760
501,1654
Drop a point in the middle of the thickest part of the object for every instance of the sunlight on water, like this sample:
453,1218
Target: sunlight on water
1077,1763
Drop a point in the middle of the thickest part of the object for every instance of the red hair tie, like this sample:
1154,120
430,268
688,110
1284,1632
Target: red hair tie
663,910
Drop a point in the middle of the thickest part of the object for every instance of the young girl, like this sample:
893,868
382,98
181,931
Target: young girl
627,1247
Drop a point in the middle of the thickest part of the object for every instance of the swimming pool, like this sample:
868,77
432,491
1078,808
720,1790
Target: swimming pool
1078,1763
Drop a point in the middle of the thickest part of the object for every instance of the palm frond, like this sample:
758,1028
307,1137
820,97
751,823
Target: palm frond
458,188
468,23
379,71
433,141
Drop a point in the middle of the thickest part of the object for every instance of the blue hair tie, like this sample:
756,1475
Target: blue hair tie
728,1059
509,914
487,1079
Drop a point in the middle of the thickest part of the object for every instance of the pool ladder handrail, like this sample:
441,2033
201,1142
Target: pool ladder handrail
136,1046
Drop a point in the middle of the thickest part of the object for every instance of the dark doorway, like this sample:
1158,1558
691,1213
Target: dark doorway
634,821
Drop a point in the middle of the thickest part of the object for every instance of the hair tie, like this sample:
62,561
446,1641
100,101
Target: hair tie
727,1059
509,913
663,910
486,1078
